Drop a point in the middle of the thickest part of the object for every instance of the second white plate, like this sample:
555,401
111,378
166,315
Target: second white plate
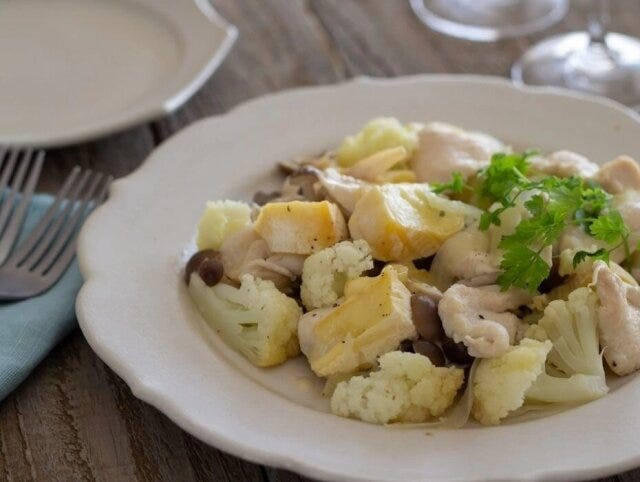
73,70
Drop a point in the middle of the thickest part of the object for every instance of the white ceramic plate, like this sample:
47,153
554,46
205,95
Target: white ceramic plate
74,70
135,312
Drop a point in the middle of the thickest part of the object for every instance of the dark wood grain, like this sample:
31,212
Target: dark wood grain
74,419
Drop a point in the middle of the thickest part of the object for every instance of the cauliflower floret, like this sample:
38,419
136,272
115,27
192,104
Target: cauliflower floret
221,219
378,134
503,384
407,388
535,332
256,319
500,383
572,327
372,319
325,273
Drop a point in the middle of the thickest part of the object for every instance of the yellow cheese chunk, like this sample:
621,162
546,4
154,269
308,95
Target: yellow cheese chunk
301,227
372,320
406,221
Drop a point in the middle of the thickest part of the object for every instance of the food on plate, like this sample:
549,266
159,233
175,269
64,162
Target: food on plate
300,227
372,318
432,274
406,388
255,318
220,220
325,273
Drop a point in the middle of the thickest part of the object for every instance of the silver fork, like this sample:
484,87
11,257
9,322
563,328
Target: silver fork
19,173
39,261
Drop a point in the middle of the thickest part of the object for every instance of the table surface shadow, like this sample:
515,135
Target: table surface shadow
74,419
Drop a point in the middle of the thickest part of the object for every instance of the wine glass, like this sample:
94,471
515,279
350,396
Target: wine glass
595,61
489,20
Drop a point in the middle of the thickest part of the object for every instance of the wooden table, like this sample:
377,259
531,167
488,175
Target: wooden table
74,419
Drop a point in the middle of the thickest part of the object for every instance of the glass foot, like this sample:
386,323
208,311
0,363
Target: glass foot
611,69
489,20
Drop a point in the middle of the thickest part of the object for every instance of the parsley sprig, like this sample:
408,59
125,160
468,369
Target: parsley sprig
554,203
456,186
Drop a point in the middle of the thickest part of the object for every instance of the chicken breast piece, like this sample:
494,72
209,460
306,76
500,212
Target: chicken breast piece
480,317
463,256
564,164
619,323
344,190
444,148
621,174
245,252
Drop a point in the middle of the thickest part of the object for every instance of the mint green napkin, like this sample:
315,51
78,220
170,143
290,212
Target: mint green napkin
29,329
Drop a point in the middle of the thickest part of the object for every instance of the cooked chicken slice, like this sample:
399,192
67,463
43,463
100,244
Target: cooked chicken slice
564,164
307,325
628,204
619,324
444,148
480,317
245,252
576,238
462,257
344,190
621,174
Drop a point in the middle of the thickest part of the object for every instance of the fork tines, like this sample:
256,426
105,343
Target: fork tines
19,173
50,246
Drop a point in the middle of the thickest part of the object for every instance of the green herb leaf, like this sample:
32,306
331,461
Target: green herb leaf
456,185
535,205
503,175
553,203
522,267
580,256
609,228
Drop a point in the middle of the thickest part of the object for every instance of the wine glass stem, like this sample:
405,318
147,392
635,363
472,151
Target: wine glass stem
598,21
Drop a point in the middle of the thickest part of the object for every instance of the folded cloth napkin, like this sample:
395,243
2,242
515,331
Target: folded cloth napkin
30,328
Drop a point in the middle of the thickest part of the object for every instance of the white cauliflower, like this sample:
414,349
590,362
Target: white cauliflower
378,134
407,388
219,220
256,319
505,383
325,273
500,383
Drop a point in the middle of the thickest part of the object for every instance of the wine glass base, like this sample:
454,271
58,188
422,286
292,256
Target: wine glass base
489,20
571,61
